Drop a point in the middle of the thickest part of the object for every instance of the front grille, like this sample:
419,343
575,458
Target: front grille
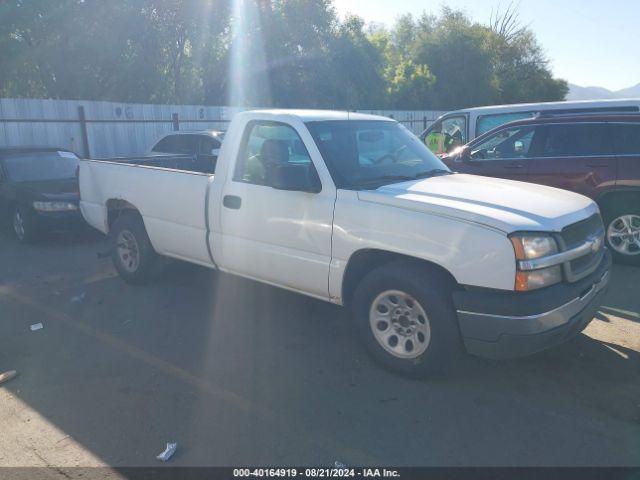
575,235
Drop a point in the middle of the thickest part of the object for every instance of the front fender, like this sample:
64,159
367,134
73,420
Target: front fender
474,254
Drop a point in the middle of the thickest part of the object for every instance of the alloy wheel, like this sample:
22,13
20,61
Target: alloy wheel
624,234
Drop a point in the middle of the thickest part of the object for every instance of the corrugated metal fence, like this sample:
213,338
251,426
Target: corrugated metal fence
109,129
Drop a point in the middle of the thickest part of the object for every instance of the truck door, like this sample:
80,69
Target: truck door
272,234
574,156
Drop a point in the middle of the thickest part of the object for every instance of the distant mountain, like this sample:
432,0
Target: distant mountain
577,92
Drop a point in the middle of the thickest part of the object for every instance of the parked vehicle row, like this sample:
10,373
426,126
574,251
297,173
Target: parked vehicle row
355,210
39,185
459,127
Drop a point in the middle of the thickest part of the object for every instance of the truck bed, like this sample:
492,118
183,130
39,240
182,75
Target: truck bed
171,200
187,163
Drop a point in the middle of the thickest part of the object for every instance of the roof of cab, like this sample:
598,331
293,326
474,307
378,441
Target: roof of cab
318,115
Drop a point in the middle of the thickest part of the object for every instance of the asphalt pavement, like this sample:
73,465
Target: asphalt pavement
239,373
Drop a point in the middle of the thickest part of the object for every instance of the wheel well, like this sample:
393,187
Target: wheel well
117,207
364,261
619,199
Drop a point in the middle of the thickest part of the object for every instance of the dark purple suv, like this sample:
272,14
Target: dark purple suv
597,155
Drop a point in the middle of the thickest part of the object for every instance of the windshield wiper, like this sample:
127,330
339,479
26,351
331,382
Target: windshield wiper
432,173
384,180
389,179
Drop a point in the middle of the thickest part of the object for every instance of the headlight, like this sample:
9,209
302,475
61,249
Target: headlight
531,246
54,206
528,246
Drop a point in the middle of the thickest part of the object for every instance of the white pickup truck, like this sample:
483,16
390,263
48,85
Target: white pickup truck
355,210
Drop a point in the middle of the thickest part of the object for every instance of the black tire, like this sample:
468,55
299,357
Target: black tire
24,225
130,226
432,291
610,215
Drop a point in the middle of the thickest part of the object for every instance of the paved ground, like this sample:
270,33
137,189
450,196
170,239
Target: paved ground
241,373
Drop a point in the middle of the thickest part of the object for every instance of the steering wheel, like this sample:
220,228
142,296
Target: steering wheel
386,156
391,156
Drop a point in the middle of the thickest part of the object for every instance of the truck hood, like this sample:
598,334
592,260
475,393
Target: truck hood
506,205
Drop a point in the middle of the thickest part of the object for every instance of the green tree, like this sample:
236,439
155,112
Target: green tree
286,53
521,68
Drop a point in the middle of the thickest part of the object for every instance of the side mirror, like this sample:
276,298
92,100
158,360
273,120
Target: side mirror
518,146
464,154
297,178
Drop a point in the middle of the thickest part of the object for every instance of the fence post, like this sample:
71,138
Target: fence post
424,122
176,122
83,131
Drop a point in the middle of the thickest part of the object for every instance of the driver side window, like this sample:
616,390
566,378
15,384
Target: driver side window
266,146
507,144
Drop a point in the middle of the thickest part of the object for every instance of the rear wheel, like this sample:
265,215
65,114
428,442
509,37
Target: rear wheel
406,319
132,253
24,226
623,233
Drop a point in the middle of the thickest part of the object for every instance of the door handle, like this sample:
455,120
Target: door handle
232,201
514,165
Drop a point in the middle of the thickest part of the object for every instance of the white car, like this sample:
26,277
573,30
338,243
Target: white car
355,210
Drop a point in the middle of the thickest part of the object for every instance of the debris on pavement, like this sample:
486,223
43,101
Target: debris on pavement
6,376
78,298
168,452
63,438
36,326
339,465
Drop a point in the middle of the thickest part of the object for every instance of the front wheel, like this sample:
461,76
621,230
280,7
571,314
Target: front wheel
623,234
132,254
406,319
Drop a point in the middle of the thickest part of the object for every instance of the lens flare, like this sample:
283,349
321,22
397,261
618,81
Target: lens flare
249,78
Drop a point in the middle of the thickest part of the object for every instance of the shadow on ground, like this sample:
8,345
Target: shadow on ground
240,373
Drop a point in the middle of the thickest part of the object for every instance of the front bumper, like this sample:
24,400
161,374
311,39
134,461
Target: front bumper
58,220
511,324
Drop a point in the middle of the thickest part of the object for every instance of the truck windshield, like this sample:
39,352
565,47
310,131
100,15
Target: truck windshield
368,154
39,166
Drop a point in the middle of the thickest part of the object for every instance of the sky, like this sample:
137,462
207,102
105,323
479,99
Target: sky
588,42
